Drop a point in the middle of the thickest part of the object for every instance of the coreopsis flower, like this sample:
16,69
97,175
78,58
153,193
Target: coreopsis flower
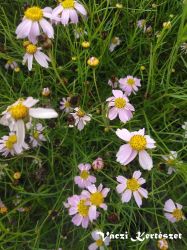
33,22
34,52
37,137
137,143
141,24
129,187
184,48
46,92
17,175
99,243
162,244
119,106
173,211
98,164
78,207
184,126
113,82
129,84
12,65
65,105
81,118
171,160
85,179
67,11
85,44
17,114
95,197
114,43
93,62
9,145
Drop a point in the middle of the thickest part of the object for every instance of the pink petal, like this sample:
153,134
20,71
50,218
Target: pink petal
124,153
145,160
143,192
112,113
123,134
34,32
137,174
80,8
137,198
121,179
92,213
77,219
65,17
126,196
120,188
47,28
169,206
117,93
170,217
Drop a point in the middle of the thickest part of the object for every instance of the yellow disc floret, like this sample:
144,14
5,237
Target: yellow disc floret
82,208
18,111
138,142
31,49
67,3
12,139
120,103
96,198
99,242
80,113
178,214
84,174
34,13
130,81
133,184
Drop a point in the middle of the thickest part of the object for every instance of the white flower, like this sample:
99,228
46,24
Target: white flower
141,24
33,20
170,161
184,126
37,137
114,43
99,243
184,48
21,111
65,105
81,118
173,211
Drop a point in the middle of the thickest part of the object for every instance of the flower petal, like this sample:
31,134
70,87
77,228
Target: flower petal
42,113
145,160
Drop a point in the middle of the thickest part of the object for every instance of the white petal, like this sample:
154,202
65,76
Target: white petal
145,160
20,132
42,113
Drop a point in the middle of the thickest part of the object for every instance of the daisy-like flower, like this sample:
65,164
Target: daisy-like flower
85,179
127,187
113,82
170,160
137,142
79,209
95,196
98,164
20,112
184,126
37,137
12,65
114,43
162,244
65,105
67,11
32,23
9,145
119,106
81,118
173,211
32,51
184,48
129,84
99,242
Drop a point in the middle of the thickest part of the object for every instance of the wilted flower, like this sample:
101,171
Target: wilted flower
65,105
129,84
81,118
141,24
98,164
95,197
113,82
93,61
137,143
33,21
119,106
173,211
114,43
17,175
85,179
99,243
9,145
13,65
32,51
37,137
127,187
21,111
184,48
162,244
171,160
3,208
184,126
68,10
46,92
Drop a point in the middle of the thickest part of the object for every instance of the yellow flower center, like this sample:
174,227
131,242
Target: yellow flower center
178,214
80,113
133,184
3,210
162,244
170,162
34,13
115,40
17,175
18,111
31,49
67,104
84,174
35,134
82,208
96,198
120,103
12,139
93,61
138,142
67,3
99,242
130,81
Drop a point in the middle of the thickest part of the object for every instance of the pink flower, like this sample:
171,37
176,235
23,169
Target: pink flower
119,106
99,241
68,10
173,211
32,51
85,179
81,118
78,208
137,142
65,105
95,196
129,84
98,164
33,21
127,187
